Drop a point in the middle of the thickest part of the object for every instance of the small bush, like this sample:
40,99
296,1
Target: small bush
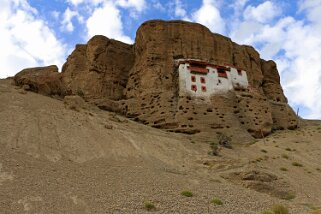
316,212
277,209
289,196
214,149
288,149
149,206
297,164
285,156
224,140
80,93
187,193
263,150
216,201
280,209
283,169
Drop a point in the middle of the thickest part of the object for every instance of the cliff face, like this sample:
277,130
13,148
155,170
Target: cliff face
141,82
98,69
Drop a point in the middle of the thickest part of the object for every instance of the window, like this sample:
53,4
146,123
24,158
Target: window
204,88
203,80
193,78
239,72
194,88
221,73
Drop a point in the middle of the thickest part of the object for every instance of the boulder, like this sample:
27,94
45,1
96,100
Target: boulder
42,80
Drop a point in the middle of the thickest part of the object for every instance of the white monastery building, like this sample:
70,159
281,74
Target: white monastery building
204,79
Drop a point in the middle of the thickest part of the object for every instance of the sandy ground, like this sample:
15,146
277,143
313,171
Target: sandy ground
57,160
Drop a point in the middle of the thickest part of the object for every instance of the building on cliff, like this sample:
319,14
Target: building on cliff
200,78
143,82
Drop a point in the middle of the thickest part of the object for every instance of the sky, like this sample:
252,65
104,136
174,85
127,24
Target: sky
44,32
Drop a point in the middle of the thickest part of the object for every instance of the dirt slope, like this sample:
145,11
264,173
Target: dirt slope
57,160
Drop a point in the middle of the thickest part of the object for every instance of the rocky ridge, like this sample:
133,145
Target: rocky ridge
140,81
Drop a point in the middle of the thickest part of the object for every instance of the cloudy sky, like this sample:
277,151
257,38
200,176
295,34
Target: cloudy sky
43,32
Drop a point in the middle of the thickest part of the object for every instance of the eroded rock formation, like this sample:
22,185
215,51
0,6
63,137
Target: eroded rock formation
140,81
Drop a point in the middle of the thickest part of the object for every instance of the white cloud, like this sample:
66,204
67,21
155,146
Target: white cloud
66,22
76,2
209,15
106,20
294,44
26,41
138,5
179,9
158,6
263,13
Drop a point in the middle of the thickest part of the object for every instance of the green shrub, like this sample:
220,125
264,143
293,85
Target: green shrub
289,196
149,206
267,212
277,209
280,209
283,169
187,193
214,148
263,150
297,164
216,201
316,212
285,156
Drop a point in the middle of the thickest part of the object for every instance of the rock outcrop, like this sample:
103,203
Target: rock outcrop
99,69
42,80
141,82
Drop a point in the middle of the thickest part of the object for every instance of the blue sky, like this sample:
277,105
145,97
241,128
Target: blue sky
39,32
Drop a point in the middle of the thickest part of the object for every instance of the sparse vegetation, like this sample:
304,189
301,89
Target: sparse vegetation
285,156
80,93
224,140
277,209
263,150
214,149
216,201
283,169
316,212
149,206
296,164
288,149
289,196
187,193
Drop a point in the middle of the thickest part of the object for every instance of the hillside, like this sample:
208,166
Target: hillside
57,159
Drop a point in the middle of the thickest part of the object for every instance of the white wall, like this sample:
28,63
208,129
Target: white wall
214,84
239,81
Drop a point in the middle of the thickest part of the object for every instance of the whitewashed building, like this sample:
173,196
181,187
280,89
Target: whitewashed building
204,79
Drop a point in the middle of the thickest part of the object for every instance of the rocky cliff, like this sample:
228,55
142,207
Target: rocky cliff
141,82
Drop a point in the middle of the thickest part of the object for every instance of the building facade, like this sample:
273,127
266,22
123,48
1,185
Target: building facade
204,79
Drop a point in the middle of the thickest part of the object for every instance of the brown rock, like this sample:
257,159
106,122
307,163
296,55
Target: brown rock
43,80
74,102
142,82
99,69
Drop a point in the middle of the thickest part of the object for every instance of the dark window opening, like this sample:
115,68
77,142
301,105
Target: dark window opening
194,88
204,88
193,78
239,72
203,80
221,73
